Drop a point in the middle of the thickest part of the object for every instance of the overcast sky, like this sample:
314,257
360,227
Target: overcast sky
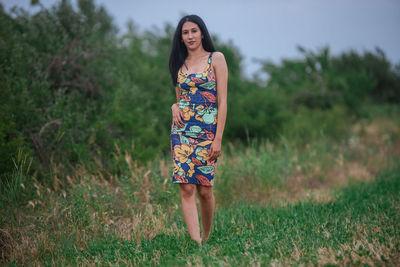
271,29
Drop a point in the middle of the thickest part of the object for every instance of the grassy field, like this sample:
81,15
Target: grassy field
324,202
309,172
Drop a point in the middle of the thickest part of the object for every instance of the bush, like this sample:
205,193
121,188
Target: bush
311,124
73,92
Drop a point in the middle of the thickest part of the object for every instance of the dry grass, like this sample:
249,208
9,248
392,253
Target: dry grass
28,238
100,201
362,250
370,151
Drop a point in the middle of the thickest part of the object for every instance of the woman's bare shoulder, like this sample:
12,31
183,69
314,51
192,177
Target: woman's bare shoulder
218,58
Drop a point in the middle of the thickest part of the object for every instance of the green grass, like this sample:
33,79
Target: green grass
362,226
256,234
326,202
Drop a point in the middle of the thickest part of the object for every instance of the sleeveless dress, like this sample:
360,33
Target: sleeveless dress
190,144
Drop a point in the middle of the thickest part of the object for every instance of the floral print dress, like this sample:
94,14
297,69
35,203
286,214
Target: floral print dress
190,144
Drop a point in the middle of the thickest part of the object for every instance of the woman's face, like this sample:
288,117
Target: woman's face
191,35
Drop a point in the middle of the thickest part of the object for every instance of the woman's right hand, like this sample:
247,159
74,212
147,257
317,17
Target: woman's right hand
177,115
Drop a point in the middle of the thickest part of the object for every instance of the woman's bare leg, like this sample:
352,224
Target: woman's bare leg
207,204
189,210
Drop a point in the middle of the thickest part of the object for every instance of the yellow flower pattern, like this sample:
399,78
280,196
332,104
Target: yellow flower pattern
177,168
193,90
203,154
187,113
191,169
181,79
183,152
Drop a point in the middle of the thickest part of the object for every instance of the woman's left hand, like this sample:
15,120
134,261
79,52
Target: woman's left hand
215,150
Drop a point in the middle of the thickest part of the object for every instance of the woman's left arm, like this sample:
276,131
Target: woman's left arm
221,76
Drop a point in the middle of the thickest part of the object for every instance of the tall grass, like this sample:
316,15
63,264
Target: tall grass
361,226
276,203
14,184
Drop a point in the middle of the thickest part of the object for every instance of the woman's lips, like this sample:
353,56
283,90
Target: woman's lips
191,42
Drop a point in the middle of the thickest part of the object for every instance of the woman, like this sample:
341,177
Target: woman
200,77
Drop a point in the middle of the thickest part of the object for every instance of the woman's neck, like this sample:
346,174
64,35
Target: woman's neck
199,52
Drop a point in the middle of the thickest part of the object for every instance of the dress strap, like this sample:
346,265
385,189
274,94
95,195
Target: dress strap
209,61
210,57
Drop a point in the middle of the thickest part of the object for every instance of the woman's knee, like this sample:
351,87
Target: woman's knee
205,192
187,190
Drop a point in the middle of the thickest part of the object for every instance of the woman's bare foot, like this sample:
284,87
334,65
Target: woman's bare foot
205,239
198,241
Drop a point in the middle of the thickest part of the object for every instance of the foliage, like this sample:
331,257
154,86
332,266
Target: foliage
53,78
322,81
72,91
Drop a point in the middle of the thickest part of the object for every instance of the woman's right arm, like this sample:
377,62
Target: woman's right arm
177,113
178,93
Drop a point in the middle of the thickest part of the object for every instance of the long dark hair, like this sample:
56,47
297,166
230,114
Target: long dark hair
179,51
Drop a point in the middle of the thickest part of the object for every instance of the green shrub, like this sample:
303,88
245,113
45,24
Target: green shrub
310,124
72,91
